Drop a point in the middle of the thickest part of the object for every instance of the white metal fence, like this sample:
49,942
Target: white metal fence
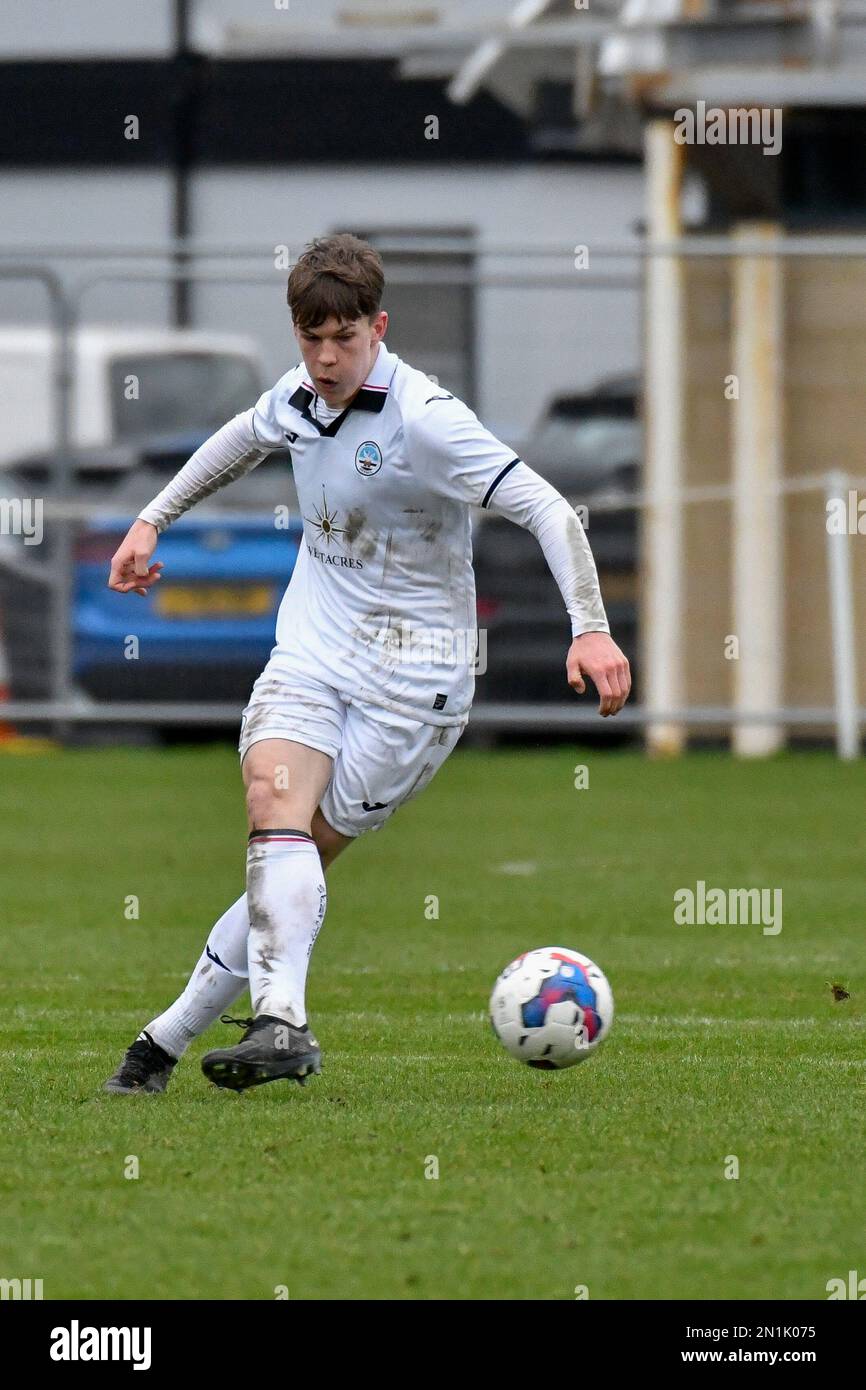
206,262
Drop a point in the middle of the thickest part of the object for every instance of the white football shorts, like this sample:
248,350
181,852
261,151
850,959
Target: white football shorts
381,759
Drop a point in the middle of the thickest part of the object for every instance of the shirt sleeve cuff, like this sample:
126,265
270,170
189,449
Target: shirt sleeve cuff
151,516
580,626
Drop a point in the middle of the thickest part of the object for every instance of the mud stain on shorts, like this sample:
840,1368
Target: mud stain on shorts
273,702
263,716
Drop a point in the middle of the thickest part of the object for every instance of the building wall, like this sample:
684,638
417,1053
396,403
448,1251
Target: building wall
824,411
531,343
825,428
78,208
707,526
91,28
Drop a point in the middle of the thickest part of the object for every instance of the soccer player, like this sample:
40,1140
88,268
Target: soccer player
359,704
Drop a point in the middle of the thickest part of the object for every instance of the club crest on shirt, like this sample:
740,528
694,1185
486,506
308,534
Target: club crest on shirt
368,457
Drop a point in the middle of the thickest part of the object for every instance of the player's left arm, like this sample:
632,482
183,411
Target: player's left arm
526,498
461,459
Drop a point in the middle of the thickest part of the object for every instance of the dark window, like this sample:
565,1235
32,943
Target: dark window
432,319
179,391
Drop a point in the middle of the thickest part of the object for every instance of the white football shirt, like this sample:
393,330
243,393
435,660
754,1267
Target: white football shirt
383,598
381,603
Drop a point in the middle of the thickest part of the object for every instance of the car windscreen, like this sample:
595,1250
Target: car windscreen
597,445
170,392
267,486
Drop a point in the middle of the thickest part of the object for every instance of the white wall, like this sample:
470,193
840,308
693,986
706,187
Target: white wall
77,208
138,28
46,29
531,343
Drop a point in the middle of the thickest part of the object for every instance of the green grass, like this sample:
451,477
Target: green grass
726,1042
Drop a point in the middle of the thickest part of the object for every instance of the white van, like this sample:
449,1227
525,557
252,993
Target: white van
127,384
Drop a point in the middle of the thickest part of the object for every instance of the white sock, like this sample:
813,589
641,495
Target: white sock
219,977
286,898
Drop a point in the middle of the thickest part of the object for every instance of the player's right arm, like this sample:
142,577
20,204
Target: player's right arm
131,570
230,453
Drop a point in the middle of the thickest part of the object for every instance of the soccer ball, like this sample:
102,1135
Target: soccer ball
551,1008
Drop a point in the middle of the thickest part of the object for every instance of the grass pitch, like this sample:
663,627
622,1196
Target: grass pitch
727,1042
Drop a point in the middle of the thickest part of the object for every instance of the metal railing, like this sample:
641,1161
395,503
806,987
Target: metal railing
67,299
843,715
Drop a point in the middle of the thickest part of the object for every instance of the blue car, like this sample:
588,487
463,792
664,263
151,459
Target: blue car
206,630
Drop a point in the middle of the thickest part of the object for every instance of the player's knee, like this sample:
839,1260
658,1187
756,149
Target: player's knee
269,805
260,801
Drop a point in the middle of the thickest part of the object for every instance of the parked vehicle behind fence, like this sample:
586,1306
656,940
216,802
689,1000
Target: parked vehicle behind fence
589,446
206,630
126,384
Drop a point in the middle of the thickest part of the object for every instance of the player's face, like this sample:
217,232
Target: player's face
338,355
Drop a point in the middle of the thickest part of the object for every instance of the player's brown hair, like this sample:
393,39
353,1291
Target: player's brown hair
340,276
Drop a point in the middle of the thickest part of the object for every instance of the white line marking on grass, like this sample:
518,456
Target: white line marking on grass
697,1021
364,1015
830,1062
686,1021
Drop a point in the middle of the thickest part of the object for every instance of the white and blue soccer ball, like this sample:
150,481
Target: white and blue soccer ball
551,1008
